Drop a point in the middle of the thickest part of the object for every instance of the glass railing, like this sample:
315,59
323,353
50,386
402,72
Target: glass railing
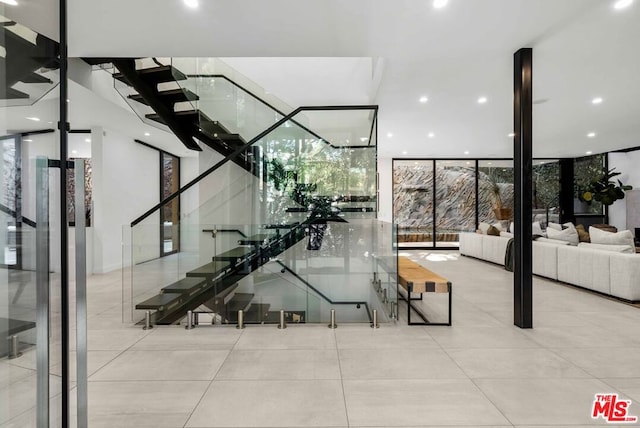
296,187
262,269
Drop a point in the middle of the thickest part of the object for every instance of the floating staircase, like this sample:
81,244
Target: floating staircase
28,67
172,106
214,284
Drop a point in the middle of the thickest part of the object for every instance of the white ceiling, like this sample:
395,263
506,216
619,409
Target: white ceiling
582,49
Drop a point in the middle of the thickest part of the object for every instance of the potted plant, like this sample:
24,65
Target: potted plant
603,189
500,212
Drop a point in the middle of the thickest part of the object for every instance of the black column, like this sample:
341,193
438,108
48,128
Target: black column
566,191
522,158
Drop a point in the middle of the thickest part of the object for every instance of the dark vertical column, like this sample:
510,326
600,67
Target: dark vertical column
63,125
566,191
522,158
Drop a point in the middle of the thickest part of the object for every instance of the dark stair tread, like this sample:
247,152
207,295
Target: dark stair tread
170,97
187,285
240,301
256,239
210,270
235,254
159,301
155,75
10,326
35,78
12,94
189,116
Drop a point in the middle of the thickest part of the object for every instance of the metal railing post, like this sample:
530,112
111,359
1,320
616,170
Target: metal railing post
283,322
189,325
332,323
147,321
240,319
375,323
14,347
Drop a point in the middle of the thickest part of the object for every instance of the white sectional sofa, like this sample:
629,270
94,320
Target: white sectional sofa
609,272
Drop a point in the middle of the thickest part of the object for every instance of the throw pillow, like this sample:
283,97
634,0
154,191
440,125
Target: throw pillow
583,235
599,236
498,226
512,227
568,225
536,229
552,241
569,235
493,231
556,226
484,227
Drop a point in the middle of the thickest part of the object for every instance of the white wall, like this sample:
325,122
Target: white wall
125,184
627,164
385,183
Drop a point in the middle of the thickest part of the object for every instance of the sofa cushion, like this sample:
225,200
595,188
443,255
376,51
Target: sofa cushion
556,226
613,248
551,241
536,229
625,276
599,236
585,267
545,259
483,227
570,235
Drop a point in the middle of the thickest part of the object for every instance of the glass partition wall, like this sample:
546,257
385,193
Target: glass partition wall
434,200
31,314
291,227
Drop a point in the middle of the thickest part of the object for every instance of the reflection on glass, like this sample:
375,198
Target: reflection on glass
413,202
495,192
586,170
546,192
455,200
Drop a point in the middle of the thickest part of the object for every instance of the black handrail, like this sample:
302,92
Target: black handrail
238,151
5,209
321,294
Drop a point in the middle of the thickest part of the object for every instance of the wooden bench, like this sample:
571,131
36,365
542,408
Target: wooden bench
415,278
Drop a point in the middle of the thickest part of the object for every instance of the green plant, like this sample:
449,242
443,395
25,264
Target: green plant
604,189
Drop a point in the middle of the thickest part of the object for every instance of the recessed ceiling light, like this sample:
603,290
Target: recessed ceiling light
146,134
431,135
482,100
466,153
346,141
488,163
597,100
511,135
389,135
622,4
28,141
73,152
424,99
11,2
589,152
35,119
404,152
192,3
468,163
591,134
87,140
363,139
439,4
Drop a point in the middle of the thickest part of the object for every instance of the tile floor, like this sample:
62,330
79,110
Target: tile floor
482,371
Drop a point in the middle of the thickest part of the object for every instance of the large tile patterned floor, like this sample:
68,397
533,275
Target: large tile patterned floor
482,371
